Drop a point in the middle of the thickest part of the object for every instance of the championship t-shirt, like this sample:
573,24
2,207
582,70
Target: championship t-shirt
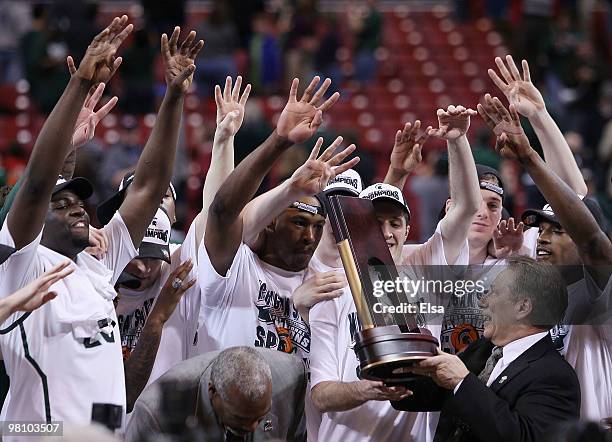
178,333
463,321
250,305
334,325
66,355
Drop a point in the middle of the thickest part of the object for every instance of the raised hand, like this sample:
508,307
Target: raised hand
320,287
312,176
37,293
512,143
299,120
172,292
453,122
179,60
99,62
88,119
406,154
231,101
519,91
507,238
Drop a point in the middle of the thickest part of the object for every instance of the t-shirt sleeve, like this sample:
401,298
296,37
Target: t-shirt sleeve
217,290
530,241
324,332
588,304
121,249
21,267
432,252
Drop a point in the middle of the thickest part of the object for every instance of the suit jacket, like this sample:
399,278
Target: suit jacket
537,391
283,422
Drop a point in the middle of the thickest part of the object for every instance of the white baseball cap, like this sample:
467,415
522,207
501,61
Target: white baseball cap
348,181
156,242
380,191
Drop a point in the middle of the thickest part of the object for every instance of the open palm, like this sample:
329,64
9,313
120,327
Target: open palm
299,120
179,60
511,143
99,62
231,101
519,90
406,154
88,118
312,176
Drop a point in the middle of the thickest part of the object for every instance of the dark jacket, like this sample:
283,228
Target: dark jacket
283,422
535,393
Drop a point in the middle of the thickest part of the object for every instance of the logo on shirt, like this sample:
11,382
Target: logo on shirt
280,325
130,326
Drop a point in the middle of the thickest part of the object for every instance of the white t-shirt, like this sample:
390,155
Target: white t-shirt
250,305
179,334
66,355
334,325
588,348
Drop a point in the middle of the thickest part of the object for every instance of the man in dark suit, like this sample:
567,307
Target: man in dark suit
512,385
240,394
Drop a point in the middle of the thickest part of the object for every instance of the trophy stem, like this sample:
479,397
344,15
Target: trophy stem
363,313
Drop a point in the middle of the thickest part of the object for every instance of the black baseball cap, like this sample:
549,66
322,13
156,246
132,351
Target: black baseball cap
81,186
106,209
533,217
482,170
5,252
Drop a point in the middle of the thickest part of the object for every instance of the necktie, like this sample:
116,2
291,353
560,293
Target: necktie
496,355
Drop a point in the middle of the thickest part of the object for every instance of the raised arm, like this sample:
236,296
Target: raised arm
406,154
298,122
527,100
230,114
309,179
83,132
140,363
594,247
154,167
54,141
463,178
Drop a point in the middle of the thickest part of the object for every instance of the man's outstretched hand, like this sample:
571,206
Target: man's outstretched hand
520,91
512,143
300,120
179,60
312,176
228,102
406,154
88,118
453,122
99,62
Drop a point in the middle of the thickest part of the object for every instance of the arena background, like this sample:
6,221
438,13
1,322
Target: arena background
392,61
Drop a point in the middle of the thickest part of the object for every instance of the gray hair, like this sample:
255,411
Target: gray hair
243,368
543,284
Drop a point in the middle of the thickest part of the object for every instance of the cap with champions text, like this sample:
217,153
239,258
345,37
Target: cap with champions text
383,191
156,242
347,183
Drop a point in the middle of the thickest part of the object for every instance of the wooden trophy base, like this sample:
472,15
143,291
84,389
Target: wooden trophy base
386,354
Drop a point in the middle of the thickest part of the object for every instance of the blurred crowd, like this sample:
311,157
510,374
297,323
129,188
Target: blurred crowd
566,42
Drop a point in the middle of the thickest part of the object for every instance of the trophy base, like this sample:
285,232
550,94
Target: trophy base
386,354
